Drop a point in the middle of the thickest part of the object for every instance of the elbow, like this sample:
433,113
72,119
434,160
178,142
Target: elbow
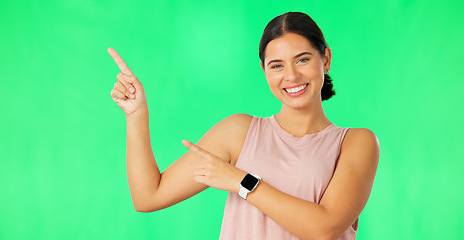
148,207
330,233
321,236
145,207
329,237
322,232
328,227
145,203
142,210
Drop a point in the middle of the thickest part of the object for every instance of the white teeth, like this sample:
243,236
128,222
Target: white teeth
297,89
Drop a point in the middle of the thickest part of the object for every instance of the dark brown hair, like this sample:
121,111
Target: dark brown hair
301,24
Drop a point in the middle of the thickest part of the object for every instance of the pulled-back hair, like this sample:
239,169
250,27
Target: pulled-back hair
301,24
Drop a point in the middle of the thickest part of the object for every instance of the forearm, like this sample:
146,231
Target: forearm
343,199
142,171
306,220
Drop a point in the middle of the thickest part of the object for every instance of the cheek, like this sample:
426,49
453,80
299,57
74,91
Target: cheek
274,78
271,83
316,74
315,70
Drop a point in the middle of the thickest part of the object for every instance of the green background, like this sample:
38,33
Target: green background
397,69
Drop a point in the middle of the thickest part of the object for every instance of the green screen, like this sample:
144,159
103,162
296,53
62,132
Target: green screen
397,70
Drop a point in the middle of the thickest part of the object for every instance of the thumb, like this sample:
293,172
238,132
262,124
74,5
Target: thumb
133,80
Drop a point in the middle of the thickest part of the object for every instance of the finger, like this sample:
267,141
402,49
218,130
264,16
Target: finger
200,179
131,79
200,172
122,78
115,93
195,149
121,64
121,88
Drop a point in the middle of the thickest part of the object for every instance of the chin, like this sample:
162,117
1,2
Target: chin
302,103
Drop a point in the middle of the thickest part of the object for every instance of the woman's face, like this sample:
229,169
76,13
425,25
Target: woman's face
295,70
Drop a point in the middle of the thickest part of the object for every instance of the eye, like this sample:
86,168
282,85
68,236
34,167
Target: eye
303,60
277,66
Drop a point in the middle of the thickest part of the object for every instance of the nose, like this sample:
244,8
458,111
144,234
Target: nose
291,73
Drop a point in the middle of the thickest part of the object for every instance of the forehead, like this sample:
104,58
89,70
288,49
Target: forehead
287,46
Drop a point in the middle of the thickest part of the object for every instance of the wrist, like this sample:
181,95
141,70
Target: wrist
248,185
139,113
238,181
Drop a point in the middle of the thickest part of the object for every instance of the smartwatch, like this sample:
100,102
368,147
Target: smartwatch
248,184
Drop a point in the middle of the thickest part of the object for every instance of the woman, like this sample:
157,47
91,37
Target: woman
292,175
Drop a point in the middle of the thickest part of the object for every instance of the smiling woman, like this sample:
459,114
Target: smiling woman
295,70
289,176
304,26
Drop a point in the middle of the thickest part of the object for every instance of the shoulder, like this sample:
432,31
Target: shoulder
235,123
361,143
235,129
240,119
360,136
226,138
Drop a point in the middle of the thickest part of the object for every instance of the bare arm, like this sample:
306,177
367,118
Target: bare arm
343,200
150,189
153,191
142,171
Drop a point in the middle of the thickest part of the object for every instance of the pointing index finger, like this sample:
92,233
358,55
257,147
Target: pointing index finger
121,64
196,149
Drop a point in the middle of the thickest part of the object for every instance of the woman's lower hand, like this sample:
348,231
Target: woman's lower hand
214,171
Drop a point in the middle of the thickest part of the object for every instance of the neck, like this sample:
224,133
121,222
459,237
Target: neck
300,122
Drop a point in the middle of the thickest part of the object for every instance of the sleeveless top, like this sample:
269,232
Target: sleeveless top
301,167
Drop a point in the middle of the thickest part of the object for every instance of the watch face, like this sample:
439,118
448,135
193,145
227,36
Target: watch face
249,182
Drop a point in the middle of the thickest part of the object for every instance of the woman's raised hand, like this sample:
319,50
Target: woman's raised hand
128,91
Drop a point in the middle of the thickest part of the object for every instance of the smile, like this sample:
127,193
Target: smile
296,89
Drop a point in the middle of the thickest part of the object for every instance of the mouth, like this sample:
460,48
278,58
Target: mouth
296,89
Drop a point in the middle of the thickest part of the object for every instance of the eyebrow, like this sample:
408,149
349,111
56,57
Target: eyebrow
297,56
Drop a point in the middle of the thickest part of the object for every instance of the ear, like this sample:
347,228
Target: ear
262,66
327,58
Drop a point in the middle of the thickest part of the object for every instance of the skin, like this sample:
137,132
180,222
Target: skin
290,61
304,114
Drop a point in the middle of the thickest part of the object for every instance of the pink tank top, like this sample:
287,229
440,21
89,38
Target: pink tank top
301,167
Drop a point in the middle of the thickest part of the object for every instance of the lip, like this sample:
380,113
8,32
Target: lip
294,86
297,94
